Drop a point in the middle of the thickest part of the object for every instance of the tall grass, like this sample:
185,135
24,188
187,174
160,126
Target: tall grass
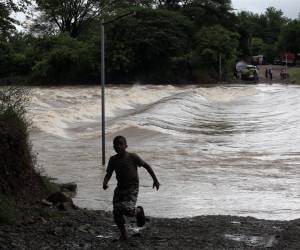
15,150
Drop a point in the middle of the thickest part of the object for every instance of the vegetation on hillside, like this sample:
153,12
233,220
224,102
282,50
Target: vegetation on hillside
19,180
165,41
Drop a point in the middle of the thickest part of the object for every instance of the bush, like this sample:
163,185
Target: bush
144,47
18,177
65,60
13,101
14,147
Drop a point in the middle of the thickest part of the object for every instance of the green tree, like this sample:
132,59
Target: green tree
266,26
7,7
210,12
9,61
5,59
290,37
249,25
67,15
274,23
6,23
211,42
64,59
168,4
257,46
143,46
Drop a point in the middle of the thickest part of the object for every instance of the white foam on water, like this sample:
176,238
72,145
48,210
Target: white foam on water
54,110
226,94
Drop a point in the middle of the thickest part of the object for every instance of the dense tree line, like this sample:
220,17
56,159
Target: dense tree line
164,41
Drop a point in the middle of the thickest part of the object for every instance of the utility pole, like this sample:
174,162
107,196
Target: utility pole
103,23
286,65
220,67
103,89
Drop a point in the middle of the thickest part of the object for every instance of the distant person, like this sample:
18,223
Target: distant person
267,73
235,73
125,165
271,74
283,74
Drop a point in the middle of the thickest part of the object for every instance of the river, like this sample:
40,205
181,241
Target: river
223,149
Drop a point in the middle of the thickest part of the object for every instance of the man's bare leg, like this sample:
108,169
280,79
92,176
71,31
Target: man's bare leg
123,231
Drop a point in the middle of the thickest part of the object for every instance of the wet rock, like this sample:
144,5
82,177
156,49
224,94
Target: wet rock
69,224
46,248
66,206
55,231
68,187
46,203
163,244
84,228
85,246
15,245
61,200
58,230
42,220
28,221
58,197
136,235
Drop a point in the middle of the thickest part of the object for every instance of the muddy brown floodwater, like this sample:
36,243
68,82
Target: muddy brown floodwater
217,150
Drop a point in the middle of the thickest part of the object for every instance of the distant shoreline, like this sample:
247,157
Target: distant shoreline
19,81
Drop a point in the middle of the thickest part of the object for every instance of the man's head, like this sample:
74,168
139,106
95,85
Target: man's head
120,144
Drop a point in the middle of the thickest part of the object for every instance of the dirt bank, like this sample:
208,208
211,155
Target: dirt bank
84,229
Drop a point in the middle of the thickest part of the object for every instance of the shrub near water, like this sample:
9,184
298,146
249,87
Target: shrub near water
19,181
13,139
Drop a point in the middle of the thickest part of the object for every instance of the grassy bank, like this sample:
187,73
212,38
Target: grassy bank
20,182
294,75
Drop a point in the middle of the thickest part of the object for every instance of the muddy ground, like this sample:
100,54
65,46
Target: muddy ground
48,228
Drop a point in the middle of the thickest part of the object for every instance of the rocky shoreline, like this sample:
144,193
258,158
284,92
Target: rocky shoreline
48,228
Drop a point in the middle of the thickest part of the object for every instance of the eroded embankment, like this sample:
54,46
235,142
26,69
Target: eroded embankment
20,183
18,178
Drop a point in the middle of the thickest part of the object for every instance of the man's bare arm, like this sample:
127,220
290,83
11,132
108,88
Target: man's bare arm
106,180
156,184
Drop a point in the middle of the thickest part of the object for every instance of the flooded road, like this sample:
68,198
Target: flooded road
230,150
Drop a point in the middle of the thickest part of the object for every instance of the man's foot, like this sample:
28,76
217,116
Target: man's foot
140,216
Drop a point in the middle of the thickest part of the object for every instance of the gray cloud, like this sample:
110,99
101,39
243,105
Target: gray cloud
290,8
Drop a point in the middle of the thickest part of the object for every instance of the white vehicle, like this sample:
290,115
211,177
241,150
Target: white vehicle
249,73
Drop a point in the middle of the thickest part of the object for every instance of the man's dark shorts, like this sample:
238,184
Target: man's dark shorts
124,203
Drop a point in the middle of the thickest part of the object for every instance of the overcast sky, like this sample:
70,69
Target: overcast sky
290,8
